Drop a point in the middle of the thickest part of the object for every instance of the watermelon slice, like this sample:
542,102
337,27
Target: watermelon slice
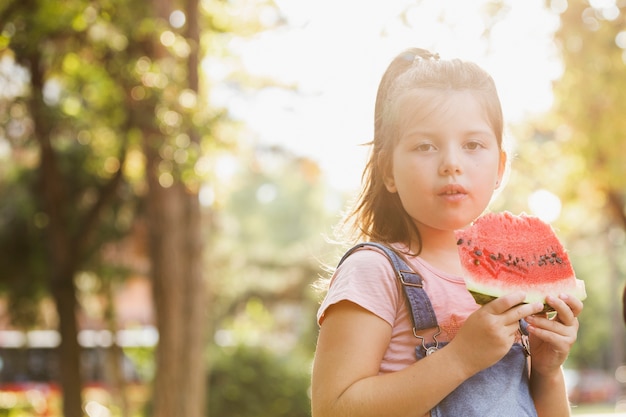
502,253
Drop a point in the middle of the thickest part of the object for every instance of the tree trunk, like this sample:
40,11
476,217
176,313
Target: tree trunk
175,249
69,350
197,329
62,264
176,257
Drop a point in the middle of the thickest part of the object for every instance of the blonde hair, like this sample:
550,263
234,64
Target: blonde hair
378,215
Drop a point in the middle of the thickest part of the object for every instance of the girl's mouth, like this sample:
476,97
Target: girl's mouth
451,190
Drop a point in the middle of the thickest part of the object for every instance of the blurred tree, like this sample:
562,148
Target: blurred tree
69,141
186,136
171,146
589,98
590,127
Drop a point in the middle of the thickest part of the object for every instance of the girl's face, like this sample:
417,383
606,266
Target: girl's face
447,161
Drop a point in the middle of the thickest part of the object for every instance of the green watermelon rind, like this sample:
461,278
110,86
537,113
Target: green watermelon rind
483,299
484,295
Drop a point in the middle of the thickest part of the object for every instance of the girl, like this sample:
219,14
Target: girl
436,159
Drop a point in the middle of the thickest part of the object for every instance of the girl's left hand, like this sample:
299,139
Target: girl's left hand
552,338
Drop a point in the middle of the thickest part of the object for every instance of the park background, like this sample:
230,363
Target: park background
171,173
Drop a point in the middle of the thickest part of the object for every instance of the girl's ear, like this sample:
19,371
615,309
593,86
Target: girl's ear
384,165
501,168
390,185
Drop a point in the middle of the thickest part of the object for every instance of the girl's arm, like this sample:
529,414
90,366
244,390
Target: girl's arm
351,345
549,395
551,341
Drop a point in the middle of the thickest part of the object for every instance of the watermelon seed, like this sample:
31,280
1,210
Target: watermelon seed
478,252
493,257
459,242
476,262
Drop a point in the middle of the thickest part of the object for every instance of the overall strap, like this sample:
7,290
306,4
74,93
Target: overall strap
422,313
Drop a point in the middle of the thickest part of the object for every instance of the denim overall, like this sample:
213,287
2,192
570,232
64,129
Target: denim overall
498,391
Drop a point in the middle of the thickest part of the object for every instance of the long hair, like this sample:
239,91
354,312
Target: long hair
378,215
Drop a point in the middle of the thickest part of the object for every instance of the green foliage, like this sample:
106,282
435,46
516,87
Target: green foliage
591,263
254,382
589,96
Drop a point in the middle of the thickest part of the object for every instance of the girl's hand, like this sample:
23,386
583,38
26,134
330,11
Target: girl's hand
552,338
490,331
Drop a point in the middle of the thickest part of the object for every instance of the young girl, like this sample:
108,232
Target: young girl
436,160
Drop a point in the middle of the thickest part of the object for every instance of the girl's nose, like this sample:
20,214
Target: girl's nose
450,164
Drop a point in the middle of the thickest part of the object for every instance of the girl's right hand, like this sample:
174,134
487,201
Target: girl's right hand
490,331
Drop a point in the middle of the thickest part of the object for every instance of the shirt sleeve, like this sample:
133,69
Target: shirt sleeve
367,279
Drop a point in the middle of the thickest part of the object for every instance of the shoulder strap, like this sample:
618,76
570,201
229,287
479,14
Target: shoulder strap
423,315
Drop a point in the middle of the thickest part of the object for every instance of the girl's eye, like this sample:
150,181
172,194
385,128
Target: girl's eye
472,146
425,147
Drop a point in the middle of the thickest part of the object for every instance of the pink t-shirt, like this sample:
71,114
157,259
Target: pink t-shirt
366,278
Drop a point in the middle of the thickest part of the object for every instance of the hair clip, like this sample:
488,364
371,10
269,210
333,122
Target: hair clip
424,54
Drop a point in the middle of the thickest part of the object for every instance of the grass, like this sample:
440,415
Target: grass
608,409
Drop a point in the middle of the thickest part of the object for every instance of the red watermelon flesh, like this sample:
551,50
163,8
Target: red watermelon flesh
503,253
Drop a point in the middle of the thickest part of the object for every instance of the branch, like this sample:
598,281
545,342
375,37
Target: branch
10,9
84,237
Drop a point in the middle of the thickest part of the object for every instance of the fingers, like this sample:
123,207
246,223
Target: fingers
567,308
563,328
566,305
513,307
558,335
